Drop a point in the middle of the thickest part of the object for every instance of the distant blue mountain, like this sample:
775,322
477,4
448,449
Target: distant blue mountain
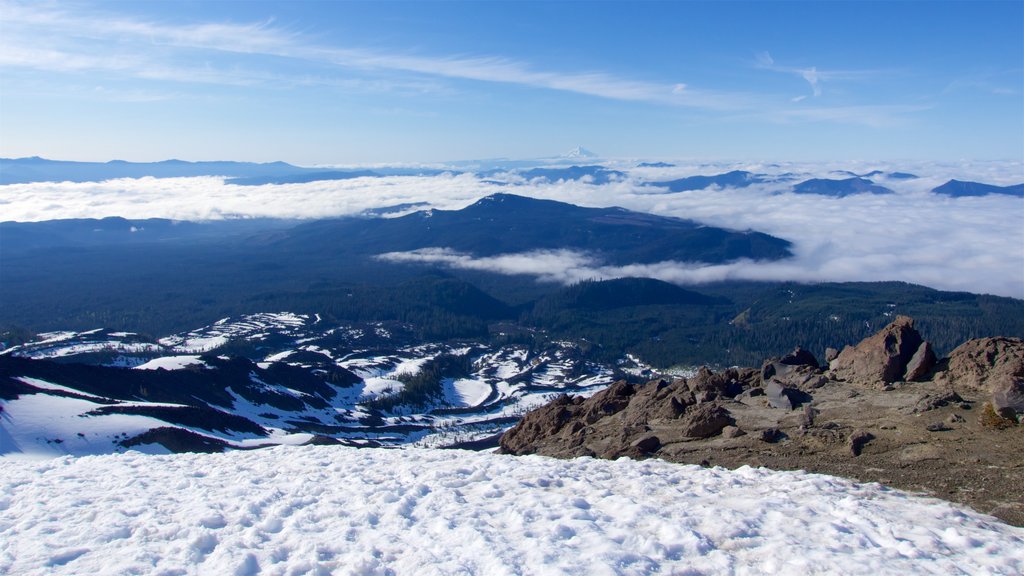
655,165
600,174
301,178
35,169
959,188
873,173
839,188
18,236
734,179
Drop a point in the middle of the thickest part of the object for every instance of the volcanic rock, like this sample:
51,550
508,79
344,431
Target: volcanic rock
921,363
993,367
858,440
705,421
539,424
881,358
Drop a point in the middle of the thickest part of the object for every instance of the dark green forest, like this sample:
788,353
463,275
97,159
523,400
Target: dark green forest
664,325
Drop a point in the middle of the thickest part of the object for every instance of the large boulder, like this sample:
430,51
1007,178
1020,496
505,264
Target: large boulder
920,364
705,421
883,357
992,367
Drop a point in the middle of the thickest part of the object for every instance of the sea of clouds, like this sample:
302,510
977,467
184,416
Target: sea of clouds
974,244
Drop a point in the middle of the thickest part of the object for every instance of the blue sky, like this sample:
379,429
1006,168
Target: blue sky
352,82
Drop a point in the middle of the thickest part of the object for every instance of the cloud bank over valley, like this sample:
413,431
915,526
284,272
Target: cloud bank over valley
971,243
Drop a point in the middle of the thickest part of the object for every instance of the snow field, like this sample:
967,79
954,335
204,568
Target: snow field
335,510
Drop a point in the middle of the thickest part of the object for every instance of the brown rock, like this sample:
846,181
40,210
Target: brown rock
647,444
858,440
705,421
799,357
539,424
608,401
993,367
881,358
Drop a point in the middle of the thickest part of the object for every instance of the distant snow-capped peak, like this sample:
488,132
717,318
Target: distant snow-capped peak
579,152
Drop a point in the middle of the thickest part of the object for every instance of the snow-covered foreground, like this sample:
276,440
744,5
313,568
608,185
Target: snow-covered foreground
334,510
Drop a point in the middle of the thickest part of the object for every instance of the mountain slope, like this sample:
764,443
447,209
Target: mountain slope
506,223
959,189
839,188
734,179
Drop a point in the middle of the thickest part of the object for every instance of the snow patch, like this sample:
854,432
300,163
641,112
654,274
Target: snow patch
416,511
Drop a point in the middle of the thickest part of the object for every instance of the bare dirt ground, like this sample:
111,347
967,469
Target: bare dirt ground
944,452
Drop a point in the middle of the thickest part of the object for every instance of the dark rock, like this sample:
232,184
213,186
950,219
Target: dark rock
858,440
937,427
799,357
921,363
705,421
931,402
714,384
647,444
319,440
771,435
797,376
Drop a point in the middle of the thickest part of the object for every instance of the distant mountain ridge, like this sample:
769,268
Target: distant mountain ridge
840,188
507,224
733,179
36,169
960,189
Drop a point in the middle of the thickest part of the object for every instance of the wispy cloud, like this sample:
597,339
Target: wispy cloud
811,75
60,39
65,32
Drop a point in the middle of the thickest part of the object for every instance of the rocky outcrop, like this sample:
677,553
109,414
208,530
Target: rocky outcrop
885,357
886,411
992,367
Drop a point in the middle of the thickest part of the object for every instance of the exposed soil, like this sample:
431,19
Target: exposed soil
961,460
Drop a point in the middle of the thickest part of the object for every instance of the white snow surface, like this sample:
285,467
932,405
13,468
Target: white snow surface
336,510
171,363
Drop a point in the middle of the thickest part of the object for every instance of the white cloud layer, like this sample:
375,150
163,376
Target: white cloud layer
974,244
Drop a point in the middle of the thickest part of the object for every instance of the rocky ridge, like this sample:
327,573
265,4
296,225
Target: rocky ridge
885,410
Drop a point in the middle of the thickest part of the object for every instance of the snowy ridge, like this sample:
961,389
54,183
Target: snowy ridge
322,510
249,327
